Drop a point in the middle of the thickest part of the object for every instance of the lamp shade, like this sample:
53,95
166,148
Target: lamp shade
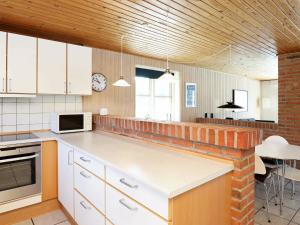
230,105
121,83
167,75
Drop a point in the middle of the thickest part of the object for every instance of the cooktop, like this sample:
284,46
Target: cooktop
16,137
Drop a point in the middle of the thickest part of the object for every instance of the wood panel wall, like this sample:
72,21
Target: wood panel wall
214,88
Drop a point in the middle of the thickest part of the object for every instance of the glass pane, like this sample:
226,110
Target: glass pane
162,108
17,174
143,107
142,86
162,88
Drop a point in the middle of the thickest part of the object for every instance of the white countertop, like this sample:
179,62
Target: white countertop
167,171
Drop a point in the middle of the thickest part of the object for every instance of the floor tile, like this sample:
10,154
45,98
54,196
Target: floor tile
296,219
51,218
261,218
259,203
64,223
26,222
287,213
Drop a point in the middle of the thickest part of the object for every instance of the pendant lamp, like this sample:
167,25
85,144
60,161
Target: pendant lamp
230,105
167,75
121,82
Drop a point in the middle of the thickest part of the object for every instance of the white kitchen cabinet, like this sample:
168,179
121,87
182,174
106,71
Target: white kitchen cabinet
52,66
65,177
86,213
122,210
3,62
79,70
21,64
90,187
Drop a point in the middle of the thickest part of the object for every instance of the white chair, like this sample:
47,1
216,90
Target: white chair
264,175
274,163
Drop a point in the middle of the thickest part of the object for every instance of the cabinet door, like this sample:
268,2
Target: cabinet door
2,62
52,67
65,177
49,170
21,64
79,70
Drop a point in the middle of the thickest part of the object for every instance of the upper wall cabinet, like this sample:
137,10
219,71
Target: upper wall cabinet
21,64
79,70
2,62
52,67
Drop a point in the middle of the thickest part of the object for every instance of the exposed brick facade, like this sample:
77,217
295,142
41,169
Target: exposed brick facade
268,128
232,143
289,97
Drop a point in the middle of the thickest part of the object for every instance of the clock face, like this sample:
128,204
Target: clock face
99,82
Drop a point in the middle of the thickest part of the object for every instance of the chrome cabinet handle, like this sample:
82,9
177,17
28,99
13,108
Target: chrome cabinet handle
123,181
84,175
65,84
123,202
19,158
85,159
69,161
69,87
83,204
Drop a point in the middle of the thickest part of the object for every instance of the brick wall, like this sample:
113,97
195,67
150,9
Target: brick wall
289,97
231,143
267,128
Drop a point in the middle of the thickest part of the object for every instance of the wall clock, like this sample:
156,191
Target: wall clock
99,82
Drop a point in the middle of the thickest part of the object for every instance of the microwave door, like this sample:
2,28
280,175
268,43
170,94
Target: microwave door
71,122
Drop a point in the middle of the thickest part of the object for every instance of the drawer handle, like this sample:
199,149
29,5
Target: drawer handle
85,159
123,202
83,204
123,181
84,175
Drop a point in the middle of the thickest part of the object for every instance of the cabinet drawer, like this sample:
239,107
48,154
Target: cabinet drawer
89,163
90,187
143,194
85,213
121,210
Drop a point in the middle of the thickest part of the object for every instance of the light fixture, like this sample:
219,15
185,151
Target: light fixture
167,75
230,105
121,82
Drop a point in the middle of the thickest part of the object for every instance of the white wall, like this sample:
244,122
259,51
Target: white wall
25,114
269,100
214,89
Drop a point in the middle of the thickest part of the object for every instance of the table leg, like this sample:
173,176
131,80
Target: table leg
282,186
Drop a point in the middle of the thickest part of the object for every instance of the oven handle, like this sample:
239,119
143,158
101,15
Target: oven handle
19,158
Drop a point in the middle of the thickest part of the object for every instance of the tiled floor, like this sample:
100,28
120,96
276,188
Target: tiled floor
53,218
291,208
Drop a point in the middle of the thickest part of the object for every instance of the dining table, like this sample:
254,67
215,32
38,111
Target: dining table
279,151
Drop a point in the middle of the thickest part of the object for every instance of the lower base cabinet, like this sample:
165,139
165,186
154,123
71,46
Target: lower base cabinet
85,213
123,211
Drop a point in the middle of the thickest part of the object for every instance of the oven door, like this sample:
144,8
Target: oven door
20,176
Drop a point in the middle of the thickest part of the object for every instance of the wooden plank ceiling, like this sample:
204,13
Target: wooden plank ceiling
234,36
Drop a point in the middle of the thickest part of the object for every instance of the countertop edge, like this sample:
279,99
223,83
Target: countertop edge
169,194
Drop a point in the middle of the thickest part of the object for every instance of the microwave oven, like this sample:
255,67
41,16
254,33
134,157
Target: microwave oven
71,122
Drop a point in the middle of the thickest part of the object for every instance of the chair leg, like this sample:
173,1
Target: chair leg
274,188
267,201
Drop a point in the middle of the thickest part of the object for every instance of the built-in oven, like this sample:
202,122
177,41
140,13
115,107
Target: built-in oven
20,171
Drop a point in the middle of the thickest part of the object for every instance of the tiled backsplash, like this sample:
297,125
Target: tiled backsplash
25,114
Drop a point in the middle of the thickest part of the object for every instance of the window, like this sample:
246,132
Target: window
156,99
